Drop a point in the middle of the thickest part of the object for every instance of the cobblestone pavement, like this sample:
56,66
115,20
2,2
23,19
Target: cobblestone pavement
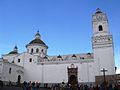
17,88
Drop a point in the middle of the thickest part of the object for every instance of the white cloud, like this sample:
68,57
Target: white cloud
118,71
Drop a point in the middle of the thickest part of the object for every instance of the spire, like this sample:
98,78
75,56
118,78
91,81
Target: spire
37,36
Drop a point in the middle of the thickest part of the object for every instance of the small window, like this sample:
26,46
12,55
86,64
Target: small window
30,60
32,50
37,50
18,60
81,57
9,70
100,28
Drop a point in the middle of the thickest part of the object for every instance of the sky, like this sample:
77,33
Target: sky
65,25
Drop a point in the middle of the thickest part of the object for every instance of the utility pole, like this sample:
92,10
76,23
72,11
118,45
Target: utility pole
103,70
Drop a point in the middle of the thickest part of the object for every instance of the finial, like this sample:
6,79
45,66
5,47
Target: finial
98,9
37,36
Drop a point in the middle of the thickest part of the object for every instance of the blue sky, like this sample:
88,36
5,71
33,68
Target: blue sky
65,25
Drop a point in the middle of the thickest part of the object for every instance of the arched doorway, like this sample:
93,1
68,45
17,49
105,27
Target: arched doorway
19,78
72,80
73,76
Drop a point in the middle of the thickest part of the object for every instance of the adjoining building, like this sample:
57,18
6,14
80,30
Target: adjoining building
36,65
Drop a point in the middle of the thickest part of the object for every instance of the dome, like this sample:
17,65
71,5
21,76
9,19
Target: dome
37,41
13,52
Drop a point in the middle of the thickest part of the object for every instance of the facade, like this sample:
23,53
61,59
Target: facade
36,65
10,72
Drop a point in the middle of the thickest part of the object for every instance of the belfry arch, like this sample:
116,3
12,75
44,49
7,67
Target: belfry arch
100,27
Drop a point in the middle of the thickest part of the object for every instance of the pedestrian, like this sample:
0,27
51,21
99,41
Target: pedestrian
33,86
24,85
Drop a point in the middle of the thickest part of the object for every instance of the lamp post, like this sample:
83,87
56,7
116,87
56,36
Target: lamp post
103,70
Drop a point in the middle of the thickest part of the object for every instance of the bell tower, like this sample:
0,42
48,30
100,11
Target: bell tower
100,23
102,44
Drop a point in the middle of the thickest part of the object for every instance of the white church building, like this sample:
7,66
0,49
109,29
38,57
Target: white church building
36,65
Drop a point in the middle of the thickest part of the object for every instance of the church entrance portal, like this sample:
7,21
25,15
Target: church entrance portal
73,79
73,76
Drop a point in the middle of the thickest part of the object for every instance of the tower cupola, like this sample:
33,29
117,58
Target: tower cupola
37,36
37,39
15,50
100,23
98,11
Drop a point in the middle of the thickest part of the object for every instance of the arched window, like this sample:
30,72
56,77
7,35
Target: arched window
32,50
37,50
100,28
9,70
19,79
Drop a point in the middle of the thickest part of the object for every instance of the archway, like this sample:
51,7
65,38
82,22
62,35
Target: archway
100,28
19,79
73,80
73,76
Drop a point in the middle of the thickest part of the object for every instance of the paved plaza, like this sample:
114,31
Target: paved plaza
17,88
